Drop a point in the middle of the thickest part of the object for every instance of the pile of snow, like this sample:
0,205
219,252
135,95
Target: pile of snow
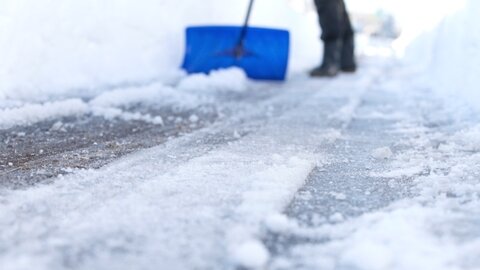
33,113
189,93
233,79
149,94
85,47
448,48
109,105
252,254
455,67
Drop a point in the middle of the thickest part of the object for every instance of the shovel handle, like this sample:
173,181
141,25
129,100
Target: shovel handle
243,33
249,12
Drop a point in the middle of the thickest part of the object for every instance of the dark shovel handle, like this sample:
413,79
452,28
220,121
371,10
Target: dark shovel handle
239,50
249,12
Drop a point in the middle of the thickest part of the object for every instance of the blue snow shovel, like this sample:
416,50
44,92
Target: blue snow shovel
261,52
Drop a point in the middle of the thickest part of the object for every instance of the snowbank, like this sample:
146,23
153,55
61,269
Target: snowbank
449,50
190,92
455,67
51,48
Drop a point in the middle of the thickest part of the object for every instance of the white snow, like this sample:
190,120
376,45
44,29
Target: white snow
114,113
188,196
448,50
194,203
252,254
33,113
233,79
407,236
382,153
193,118
189,93
278,223
468,139
110,104
152,94
337,217
104,106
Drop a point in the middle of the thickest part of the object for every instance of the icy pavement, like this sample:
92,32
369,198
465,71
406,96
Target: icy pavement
367,171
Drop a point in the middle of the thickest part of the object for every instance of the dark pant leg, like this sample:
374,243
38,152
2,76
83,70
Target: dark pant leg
331,14
347,58
336,27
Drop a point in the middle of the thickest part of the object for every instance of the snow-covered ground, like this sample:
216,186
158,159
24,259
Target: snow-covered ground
198,203
375,170
188,196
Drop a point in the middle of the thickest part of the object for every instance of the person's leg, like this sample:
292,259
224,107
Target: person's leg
347,58
336,30
330,14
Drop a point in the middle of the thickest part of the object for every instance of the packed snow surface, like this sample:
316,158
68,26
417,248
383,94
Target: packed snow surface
209,199
189,196
191,203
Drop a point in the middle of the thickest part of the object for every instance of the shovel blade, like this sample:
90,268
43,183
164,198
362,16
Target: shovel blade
265,50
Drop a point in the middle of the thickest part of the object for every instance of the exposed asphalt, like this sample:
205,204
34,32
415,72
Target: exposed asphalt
35,154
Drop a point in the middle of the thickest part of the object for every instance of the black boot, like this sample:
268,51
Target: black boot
347,62
331,60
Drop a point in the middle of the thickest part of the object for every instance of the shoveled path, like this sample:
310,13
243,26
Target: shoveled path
291,177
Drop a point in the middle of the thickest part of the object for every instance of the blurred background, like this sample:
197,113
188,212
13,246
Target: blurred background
50,47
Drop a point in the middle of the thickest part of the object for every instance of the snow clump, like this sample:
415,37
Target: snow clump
382,153
278,223
252,254
225,80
